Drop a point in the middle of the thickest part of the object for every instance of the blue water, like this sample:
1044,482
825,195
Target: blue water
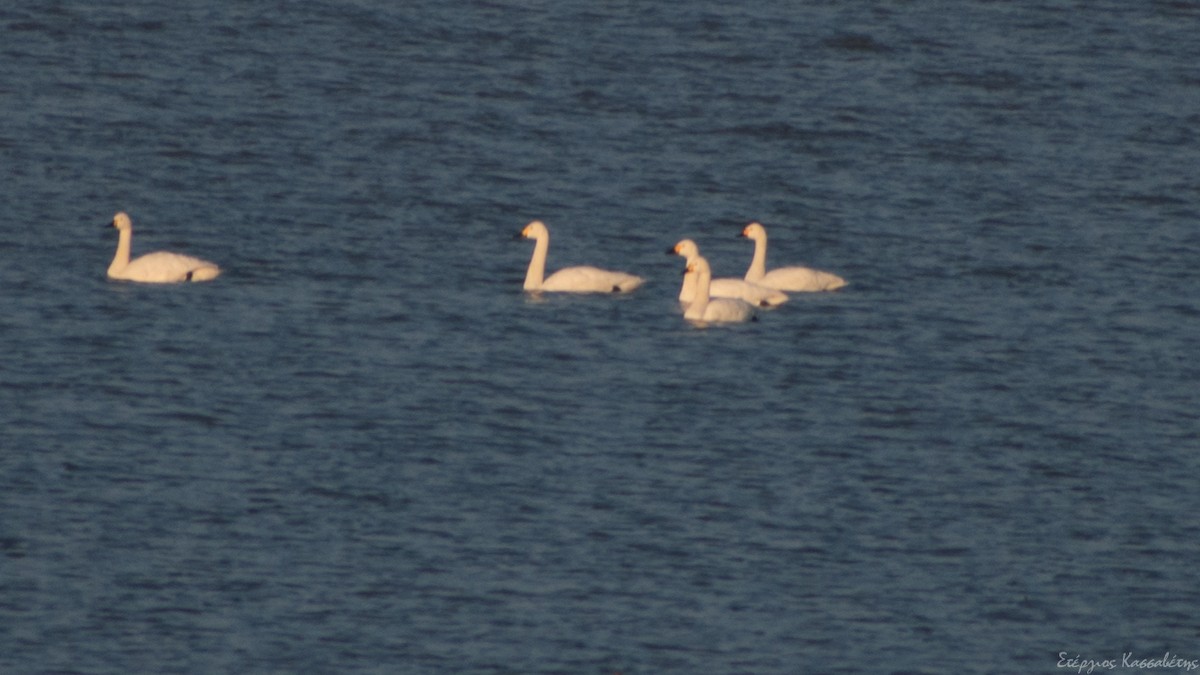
364,449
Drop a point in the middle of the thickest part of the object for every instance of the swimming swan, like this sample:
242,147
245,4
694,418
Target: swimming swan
570,279
706,309
725,287
785,278
159,267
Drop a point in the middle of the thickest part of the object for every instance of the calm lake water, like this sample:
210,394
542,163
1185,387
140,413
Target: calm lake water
364,449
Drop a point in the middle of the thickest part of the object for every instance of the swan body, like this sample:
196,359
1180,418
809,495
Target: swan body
706,309
159,267
785,278
724,287
583,279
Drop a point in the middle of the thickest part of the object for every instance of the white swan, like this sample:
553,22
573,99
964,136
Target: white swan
570,279
159,267
724,287
785,278
706,309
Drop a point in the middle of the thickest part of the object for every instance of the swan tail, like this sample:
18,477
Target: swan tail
834,282
203,274
628,284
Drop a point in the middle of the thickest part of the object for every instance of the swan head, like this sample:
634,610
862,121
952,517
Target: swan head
699,265
686,248
755,231
121,221
535,230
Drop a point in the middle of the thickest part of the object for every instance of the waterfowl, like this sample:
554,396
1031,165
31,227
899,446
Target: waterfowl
582,279
160,267
707,309
724,287
784,278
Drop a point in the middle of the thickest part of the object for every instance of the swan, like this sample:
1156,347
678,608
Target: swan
785,278
706,309
159,267
570,279
724,287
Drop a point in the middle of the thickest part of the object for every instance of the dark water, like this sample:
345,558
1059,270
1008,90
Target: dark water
364,449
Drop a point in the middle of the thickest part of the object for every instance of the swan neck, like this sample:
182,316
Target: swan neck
700,299
758,265
537,265
121,259
687,292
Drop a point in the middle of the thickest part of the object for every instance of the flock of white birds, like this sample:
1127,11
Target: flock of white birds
705,300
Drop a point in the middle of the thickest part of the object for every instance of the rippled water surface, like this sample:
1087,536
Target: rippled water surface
363,448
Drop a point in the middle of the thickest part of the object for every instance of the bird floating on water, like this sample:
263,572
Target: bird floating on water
160,267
